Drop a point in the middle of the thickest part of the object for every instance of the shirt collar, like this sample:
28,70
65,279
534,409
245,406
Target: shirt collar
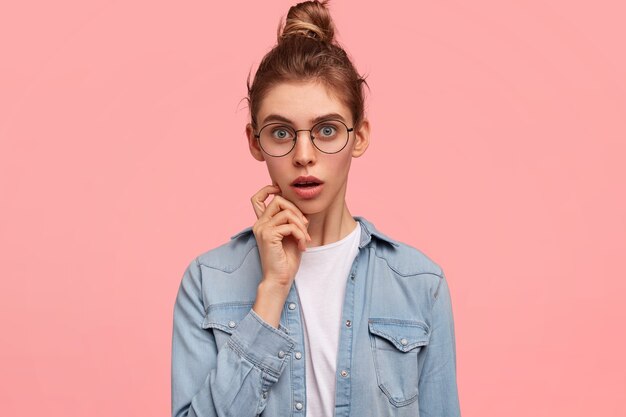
369,230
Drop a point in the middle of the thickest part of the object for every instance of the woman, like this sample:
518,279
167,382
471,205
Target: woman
311,311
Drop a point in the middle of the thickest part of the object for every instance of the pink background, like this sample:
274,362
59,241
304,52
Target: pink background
498,145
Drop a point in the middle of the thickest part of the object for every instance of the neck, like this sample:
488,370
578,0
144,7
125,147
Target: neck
331,225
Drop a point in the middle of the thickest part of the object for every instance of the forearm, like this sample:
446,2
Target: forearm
232,380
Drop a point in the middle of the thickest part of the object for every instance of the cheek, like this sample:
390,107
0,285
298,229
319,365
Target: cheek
277,170
339,164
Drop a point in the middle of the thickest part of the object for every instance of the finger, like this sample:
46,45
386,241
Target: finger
292,230
279,203
282,205
288,216
258,199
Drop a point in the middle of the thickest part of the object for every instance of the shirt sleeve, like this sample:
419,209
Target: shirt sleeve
233,382
438,394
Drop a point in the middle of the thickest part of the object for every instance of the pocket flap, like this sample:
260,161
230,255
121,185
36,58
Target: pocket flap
403,334
226,316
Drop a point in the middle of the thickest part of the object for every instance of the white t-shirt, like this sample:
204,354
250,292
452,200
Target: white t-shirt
321,285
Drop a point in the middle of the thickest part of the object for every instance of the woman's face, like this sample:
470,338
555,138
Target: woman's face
300,103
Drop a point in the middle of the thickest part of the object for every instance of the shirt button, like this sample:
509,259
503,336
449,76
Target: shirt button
298,355
292,306
299,406
348,323
344,373
403,341
281,354
231,324
264,394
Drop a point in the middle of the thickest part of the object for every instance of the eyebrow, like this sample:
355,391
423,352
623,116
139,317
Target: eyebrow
280,118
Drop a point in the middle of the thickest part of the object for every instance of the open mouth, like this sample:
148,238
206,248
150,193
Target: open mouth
307,189
306,184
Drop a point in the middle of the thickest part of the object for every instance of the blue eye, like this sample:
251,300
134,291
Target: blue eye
328,130
281,133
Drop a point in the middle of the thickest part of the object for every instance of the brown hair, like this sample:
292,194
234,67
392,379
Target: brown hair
307,51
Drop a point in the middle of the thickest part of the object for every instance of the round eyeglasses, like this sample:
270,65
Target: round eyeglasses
278,139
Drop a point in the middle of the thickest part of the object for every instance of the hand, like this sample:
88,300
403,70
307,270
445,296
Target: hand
281,234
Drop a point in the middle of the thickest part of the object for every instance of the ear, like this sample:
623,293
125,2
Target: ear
253,144
361,138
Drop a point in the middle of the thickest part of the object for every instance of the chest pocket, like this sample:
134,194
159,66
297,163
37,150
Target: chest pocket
223,319
395,344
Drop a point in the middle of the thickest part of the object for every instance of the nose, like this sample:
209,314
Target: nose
304,152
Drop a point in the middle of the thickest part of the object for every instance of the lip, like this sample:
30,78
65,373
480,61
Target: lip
308,178
308,192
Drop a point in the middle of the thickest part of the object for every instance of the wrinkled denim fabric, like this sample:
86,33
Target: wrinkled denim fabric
396,353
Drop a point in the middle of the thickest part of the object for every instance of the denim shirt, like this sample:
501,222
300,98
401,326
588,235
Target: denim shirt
396,353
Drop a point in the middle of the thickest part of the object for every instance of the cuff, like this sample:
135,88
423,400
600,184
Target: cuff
262,344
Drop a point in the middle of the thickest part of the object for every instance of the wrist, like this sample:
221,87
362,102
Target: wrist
270,299
273,289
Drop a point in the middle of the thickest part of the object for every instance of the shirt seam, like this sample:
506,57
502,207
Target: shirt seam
243,260
407,274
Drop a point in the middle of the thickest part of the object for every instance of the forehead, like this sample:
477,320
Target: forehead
301,102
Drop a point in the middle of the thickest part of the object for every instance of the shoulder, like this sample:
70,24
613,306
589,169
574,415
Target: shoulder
405,280
404,259
407,260
410,268
230,255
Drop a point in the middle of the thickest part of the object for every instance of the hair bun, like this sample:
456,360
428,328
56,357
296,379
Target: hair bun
311,19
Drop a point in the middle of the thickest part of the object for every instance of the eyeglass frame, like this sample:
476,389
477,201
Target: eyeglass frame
295,139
